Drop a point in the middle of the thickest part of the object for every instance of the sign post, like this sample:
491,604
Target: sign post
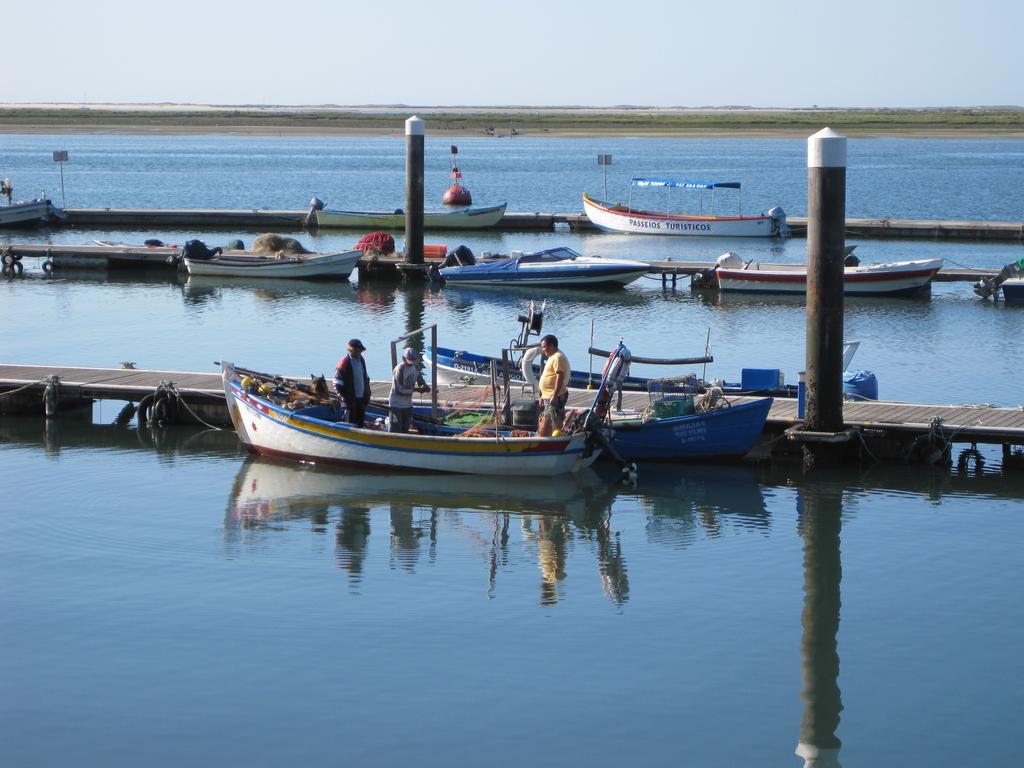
605,161
61,156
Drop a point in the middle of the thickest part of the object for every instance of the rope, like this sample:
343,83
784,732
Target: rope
168,386
19,389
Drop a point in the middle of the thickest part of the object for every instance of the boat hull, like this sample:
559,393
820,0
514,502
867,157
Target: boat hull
25,214
898,278
334,266
1013,289
268,429
466,218
611,219
603,277
726,432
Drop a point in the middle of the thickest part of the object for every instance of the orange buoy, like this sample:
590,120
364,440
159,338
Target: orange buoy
456,194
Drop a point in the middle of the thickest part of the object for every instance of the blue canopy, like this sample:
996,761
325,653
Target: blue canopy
642,182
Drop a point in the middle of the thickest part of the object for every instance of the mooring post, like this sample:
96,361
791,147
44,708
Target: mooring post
826,220
415,130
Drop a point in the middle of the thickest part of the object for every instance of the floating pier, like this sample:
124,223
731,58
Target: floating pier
885,430
266,220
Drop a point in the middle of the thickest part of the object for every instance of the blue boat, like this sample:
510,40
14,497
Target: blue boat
1013,289
557,267
726,432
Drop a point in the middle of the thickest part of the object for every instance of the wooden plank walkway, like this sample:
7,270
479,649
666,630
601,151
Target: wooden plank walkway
962,423
261,220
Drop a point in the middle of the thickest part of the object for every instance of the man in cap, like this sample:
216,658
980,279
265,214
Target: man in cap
405,379
352,382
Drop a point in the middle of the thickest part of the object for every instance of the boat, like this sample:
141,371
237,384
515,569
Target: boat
559,267
320,266
897,278
26,213
271,420
726,430
460,368
615,217
1013,289
462,218
675,427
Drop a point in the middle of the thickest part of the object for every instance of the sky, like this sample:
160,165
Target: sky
867,53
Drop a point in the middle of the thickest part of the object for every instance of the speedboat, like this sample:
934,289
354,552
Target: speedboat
553,266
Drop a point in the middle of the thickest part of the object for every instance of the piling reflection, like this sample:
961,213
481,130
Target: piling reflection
819,521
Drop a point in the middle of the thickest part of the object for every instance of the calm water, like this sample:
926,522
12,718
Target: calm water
169,601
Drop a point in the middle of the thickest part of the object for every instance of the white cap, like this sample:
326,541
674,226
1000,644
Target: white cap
415,126
826,149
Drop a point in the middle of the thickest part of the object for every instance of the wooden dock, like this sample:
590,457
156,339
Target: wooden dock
879,229
267,220
879,424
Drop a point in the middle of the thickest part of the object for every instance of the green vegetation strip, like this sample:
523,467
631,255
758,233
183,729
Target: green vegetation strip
638,121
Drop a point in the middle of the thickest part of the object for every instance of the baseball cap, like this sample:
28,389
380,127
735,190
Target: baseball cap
355,344
411,354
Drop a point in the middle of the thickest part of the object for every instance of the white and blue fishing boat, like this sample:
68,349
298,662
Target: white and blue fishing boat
557,267
272,421
616,217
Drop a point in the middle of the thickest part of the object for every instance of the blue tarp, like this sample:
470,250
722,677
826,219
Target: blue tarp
644,182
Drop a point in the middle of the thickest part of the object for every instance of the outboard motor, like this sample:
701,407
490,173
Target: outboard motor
460,257
197,250
730,261
778,221
315,204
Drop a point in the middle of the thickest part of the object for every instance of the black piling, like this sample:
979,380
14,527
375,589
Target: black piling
415,130
826,218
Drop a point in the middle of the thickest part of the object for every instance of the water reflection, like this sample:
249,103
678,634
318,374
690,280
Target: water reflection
550,515
819,522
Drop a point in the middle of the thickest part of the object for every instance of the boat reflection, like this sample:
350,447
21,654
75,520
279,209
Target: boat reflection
547,515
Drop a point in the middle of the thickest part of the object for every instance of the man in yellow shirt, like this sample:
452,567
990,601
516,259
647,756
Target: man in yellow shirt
554,387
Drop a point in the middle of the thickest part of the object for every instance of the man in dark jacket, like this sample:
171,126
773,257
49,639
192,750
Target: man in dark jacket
352,382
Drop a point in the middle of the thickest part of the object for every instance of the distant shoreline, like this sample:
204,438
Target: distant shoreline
569,122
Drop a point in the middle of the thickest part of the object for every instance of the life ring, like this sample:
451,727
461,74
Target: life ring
526,367
48,266
17,267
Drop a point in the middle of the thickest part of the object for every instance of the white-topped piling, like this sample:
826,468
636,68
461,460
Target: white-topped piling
826,219
415,134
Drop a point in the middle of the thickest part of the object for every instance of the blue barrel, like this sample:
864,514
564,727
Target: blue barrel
860,385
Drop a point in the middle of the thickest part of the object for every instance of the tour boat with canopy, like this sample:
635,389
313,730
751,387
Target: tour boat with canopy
615,217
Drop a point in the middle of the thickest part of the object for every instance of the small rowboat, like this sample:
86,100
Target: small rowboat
316,434
553,267
25,214
898,278
613,217
320,266
463,218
